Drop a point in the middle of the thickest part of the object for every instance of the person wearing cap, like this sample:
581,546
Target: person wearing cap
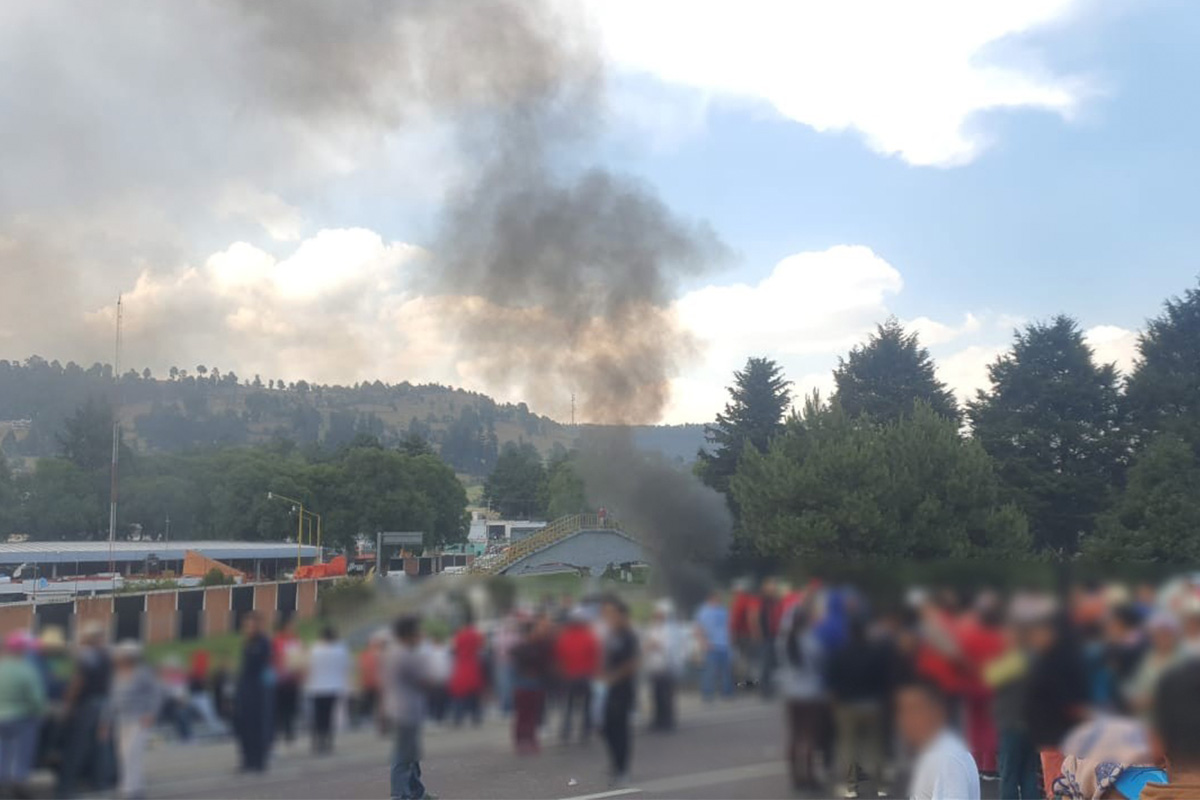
137,698
84,754
1164,653
52,662
22,703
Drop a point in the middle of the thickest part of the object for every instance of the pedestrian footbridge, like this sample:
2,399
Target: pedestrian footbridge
582,541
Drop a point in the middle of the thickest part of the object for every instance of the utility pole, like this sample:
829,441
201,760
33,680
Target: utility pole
116,445
572,409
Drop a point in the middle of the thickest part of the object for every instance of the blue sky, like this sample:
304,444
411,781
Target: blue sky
1096,213
963,166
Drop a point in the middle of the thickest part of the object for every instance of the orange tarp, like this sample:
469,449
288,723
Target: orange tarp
197,565
336,567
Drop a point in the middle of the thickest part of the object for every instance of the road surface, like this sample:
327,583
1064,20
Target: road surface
732,749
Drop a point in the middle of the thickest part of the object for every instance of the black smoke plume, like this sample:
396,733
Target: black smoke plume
685,526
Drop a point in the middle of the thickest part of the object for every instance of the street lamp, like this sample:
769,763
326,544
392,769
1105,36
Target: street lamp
299,522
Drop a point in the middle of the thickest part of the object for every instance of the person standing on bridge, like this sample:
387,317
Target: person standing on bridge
621,659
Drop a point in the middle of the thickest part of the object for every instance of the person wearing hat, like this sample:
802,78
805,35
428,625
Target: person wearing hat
52,662
1164,653
136,701
22,703
83,707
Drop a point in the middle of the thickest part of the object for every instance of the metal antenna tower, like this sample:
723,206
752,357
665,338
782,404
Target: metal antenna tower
116,444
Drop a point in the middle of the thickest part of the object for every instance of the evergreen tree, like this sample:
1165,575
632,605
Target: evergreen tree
562,492
836,487
1054,422
1158,513
1163,393
414,444
759,397
515,485
884,377
86,438
8,499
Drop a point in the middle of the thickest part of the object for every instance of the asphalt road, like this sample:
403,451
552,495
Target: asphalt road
730,750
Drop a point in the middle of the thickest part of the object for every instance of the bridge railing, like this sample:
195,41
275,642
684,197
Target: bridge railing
557,530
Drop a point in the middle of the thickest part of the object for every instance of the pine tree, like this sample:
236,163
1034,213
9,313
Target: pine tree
1158,513
883,378
1054,422
1163,393
759,397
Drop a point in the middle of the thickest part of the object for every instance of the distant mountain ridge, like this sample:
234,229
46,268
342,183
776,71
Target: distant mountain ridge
208,407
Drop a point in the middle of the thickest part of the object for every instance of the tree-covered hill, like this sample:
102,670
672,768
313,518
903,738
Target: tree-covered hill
206,406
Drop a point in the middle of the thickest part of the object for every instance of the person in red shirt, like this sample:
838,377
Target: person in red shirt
287,654
981,640
576,660
466,675
743,633
370,684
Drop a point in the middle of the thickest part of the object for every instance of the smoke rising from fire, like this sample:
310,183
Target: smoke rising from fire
686,526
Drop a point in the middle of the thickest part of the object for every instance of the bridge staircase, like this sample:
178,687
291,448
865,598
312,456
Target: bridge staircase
494,563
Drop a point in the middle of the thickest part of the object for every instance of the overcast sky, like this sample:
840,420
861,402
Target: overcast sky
265,209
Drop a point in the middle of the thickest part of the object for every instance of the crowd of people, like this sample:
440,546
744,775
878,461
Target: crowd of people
1074,695
88,713
1083,695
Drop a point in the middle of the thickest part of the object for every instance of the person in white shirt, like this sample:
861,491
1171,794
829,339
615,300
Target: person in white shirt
945,769
329,669
663,661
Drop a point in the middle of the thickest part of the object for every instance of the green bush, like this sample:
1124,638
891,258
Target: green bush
214,577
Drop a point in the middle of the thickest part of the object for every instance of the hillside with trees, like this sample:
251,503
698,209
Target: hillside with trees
207,407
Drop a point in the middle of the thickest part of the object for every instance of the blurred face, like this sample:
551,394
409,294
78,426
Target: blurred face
613,616
1040,637
250,626
919,717
1164,640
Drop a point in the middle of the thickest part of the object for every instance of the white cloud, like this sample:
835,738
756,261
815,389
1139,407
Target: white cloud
1113,345
932,332
811,308
340,307
966,371
281,221
335,309
908,76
